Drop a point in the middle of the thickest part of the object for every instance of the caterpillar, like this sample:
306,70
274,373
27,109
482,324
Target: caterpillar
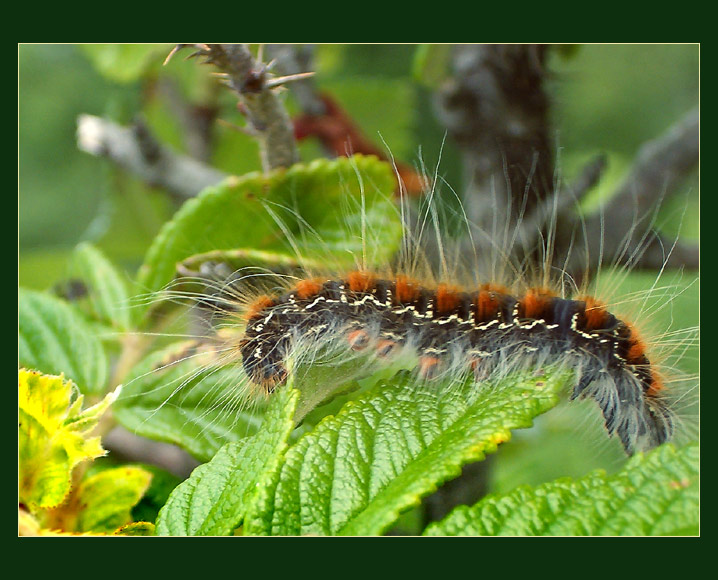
455,315
451,331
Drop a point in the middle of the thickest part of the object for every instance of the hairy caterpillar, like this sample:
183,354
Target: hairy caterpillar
452,321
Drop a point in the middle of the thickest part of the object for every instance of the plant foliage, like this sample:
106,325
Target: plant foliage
320,456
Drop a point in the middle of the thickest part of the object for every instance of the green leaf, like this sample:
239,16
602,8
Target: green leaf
244,213
356,472
654,494
105,500
54,338
125,63
107,291
216,497
53,436
179,394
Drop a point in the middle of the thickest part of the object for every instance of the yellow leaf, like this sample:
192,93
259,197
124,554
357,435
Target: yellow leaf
107,498
53,436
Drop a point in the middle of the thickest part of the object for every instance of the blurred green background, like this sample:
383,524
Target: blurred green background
606,99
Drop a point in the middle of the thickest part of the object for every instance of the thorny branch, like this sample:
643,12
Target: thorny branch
265,112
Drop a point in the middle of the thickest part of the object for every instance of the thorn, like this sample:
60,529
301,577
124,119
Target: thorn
174,51
287,79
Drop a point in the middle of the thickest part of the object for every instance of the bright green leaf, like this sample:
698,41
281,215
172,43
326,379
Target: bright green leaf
654,494
180,395
54,338
246,212
356,472
53,436
107,291
214,500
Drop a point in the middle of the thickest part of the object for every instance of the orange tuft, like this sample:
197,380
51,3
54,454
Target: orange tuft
447,298
307,288
406,290
384,348
496,288
487,306
534,303
656,385
256,307
595,313
360,281
636,351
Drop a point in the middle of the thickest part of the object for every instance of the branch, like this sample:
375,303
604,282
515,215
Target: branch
496,110
197,119
625,223
660,165
126,446
265,112
136,150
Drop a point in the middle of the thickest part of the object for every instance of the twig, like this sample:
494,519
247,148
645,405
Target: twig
264,110
496,110
124,445
136,150
660,167
197,119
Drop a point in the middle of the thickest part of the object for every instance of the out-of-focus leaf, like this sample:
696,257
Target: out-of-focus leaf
54,338
136,529
104,501
125,63
163,482
106,290
431,64
383,108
